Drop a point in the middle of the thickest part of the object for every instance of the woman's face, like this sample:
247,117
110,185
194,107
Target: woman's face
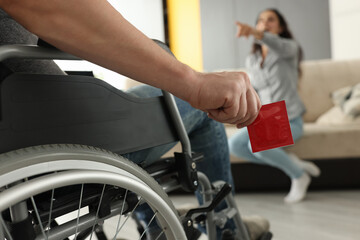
269,22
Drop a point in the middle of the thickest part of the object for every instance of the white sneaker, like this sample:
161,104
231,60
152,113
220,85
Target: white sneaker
298,189
308,167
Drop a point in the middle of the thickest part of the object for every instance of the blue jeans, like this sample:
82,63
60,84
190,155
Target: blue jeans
240,147
206,136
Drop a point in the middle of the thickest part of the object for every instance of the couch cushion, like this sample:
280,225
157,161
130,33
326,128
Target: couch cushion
336,116
320,78
325,142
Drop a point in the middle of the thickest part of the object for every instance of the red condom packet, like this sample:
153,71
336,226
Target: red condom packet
271,129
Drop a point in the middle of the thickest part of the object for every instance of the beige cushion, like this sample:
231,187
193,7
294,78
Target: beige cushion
320,78
326,141
336,116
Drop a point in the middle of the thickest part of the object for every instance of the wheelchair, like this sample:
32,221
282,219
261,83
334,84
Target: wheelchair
62,175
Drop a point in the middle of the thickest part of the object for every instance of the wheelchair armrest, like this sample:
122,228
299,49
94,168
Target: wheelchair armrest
33,52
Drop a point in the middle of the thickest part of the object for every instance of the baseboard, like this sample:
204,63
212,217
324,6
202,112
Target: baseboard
336,174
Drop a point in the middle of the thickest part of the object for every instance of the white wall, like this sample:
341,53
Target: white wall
307,19
345,29
146,15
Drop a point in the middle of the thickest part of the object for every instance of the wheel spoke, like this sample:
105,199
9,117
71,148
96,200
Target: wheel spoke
97,211
78,215
3,226
121,213
38,217
160,234
118,230
147,227
50,211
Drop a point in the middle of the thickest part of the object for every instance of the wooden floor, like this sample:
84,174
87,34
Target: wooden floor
324,215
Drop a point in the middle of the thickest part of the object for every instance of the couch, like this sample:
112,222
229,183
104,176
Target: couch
331,139
325,138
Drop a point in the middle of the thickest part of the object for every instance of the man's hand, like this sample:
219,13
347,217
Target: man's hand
227,97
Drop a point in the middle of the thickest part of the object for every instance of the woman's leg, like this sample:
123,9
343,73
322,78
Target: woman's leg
240,146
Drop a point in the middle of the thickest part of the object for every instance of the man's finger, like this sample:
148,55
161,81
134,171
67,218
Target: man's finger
224,115
247,123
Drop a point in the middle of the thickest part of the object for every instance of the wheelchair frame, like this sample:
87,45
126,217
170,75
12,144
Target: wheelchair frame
21,168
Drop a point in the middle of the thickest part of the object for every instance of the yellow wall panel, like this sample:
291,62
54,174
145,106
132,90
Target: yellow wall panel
185,31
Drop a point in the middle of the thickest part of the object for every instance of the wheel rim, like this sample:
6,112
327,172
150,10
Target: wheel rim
35,186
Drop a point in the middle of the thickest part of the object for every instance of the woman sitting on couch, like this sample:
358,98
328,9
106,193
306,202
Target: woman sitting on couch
274,70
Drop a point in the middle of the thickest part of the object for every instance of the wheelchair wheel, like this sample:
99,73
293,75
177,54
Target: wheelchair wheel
78,192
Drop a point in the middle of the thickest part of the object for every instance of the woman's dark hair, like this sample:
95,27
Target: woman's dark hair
286,33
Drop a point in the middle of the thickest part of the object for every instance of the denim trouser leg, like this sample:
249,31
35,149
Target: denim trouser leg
240,147
206,136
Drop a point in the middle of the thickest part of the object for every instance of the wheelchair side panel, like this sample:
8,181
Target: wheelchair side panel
50,109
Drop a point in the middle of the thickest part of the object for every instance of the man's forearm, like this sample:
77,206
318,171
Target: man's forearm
95,31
